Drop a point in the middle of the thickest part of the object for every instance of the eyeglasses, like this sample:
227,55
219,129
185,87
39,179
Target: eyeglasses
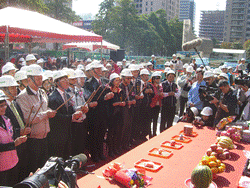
157,78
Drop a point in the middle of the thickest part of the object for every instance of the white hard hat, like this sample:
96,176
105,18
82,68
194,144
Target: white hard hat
30,57
185,66
167,63
190,69
20,75
8,67
126,72
144,71
80,66
140,66
230,67
201,66
207,111
59,74
104,69
119,63
21,59
243,59
152,55
48,73
149,64
194,110
217,71
124,60
40,61
223,67
156,73
224,75
167,69
208,68
132,60
96,64
24,63
113,76
171,63
133,67
170,72
88,67
71,73
34,70
108,65
89,60
198,70
7,81
79,73
191,64
23,68
127,64
208,74
3,96
174,55
45,77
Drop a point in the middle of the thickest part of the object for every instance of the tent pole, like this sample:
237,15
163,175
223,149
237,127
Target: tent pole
29,48
101,50
7,53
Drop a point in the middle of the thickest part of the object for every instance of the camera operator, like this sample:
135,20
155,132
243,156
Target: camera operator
227,104
246,110
211,90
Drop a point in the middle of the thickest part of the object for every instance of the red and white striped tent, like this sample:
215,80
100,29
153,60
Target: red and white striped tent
29,26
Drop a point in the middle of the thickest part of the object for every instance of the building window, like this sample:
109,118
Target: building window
137,5
140,11
140,5
151,2
151,9
146,3
140,0
146,9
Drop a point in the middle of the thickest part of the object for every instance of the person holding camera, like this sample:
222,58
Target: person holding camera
227,104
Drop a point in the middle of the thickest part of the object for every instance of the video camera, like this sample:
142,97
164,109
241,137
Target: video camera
54,171
243,80
208,91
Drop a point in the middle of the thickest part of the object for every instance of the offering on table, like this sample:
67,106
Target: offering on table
188,130
128,177
193,134
213,163
201,176
219,152
181,138
172,144
225,142
225,121
148,165
163,153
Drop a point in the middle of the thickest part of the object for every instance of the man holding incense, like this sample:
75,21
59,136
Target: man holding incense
34,104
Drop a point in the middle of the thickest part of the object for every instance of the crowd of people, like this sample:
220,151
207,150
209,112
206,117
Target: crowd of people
70,110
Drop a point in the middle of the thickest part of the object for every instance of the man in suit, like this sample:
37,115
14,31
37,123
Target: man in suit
60,125
97,115
143,96
13,111
171,94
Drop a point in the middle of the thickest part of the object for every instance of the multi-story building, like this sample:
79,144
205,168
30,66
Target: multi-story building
172,7
237,21
68,3
212,24
187,11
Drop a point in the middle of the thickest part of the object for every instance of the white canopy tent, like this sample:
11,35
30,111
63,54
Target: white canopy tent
92,46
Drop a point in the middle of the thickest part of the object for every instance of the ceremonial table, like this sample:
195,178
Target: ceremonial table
177,168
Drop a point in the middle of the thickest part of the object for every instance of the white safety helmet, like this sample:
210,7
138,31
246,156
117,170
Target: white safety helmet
45,77
40,61
224,75
127,64
207,111
119,63
133,67
59,74
79,73
21,59
7,81
126,73
104,69
108,65
48,73
124,60
88,67
223,67
23,68
140,66
174,55
8,67
199,70
3,96
20,75
152,55
144,71
71,73
80,66
208,74
96,64
167,64
230,67
243,59
217,71
149,64
34,70
30,57
170,72
156,73
185,66
89,60
190,69
208,68
167,69
194,110
113,76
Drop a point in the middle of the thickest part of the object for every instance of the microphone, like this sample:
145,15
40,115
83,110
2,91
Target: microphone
192,44
78,161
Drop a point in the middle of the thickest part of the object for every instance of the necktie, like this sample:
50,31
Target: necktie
65,99
127,93
18,117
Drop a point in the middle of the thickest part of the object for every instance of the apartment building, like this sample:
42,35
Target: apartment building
187,11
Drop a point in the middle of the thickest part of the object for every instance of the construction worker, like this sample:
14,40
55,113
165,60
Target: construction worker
9,69
30,59
22,80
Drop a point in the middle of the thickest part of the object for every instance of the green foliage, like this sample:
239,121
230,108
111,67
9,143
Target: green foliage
246,44
236,45
35,5
138,35
226,45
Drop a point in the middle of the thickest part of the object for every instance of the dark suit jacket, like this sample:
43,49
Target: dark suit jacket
147,96
12,117
170,100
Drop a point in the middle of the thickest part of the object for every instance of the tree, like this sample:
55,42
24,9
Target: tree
226,45
236,45
35,5
246,44
215,42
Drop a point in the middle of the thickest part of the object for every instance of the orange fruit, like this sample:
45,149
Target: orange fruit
204,162
221,169
212,164
214,170
212,158
218,162
223,165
